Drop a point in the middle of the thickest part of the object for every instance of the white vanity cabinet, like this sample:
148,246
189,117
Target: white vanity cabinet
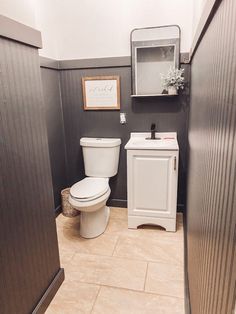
152,167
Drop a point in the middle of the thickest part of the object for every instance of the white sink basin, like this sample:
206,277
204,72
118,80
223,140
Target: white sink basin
167,141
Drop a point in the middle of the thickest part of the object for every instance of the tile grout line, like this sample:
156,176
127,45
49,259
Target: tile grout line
145,279
130,259
77,252
128,289
178,264
100,287
118,237
143,292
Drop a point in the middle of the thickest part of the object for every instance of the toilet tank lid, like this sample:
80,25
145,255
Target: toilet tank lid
100,142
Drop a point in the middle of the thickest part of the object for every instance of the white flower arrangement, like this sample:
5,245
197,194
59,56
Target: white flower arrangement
174,77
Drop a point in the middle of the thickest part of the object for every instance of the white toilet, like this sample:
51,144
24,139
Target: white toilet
101,158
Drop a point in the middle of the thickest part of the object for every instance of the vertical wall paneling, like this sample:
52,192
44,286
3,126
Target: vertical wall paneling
170,114
55,130
29,259
211,206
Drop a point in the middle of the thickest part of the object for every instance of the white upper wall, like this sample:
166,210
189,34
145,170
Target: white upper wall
47,22
81,29
22,11
101,28
198,6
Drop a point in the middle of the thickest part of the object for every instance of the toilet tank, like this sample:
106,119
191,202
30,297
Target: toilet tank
101,156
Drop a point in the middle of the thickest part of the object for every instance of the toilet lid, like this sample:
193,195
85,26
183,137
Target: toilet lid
89,188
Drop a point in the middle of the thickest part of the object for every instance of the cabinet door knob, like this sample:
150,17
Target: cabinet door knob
175,163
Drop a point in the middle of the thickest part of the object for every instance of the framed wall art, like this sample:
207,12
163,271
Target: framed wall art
101,92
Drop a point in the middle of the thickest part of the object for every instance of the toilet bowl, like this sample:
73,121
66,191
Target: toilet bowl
89,196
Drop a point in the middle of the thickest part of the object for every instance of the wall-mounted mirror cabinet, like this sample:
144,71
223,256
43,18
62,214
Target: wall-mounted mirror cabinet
154,50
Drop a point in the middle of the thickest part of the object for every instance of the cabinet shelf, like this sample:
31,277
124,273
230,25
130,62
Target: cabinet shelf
153,95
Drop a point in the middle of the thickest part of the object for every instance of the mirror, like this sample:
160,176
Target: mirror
154,50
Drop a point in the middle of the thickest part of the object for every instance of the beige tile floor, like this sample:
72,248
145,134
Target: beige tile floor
122,271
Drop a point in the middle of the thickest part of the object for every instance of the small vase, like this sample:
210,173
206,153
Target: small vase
172,90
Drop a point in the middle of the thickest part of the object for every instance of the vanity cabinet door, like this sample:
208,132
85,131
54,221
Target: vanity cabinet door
152,183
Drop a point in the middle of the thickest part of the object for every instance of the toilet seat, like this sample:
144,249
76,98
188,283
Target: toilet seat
89,189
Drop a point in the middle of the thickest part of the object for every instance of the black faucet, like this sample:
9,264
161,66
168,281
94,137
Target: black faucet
153,131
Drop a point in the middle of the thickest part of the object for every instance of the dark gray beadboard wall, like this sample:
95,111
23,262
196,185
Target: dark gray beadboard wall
55,130
29,258
170,114
211,206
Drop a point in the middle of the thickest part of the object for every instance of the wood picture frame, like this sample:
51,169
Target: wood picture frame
101,92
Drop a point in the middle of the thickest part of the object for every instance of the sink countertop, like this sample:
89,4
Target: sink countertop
168,141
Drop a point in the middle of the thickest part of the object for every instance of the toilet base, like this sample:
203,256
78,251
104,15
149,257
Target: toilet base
92,224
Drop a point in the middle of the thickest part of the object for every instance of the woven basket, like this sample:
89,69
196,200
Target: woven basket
67,209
